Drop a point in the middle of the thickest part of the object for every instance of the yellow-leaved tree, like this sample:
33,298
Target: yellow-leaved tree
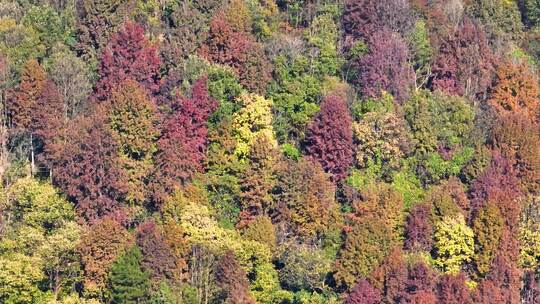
454,243
254,118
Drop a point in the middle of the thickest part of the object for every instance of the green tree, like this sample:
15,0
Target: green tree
129,282
531,12
365,247
20,276
487,226
501,17
322,35
417,115
50,27
39,242
19,43
304,267
529,234
421,52
224,170
441,129
266,288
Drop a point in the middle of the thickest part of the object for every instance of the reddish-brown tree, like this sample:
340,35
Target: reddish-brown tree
488,292
85,165
48,113
516,90
518,139
386,67
503,283
419,229
36,107
232,281
102,243
364,293
464,64
420,285
500,185
128,55
159,257
391,276
182,147
361,18
453,290
239,50
329,137
21,106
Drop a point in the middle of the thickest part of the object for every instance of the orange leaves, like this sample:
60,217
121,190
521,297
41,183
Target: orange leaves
516,91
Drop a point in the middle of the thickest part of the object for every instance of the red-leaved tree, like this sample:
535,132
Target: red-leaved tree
500,185
182,147
232,281
239,50
465,62
364,293
329,137
85,165
419,229
361,18
386,67
128,55
160,257
420,284
453,290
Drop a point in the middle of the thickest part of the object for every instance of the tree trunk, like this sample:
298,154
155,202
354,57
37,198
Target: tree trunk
33,164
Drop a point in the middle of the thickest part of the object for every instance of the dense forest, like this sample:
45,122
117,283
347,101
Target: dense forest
272,152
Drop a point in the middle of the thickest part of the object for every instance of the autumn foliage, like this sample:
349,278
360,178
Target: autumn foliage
329,137
181,150
269,151
128,55
516,91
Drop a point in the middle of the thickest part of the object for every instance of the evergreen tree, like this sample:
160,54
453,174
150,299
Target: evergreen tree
129,282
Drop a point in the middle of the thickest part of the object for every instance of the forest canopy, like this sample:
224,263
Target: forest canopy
271,152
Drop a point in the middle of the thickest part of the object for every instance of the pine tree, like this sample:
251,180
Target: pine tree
129,282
